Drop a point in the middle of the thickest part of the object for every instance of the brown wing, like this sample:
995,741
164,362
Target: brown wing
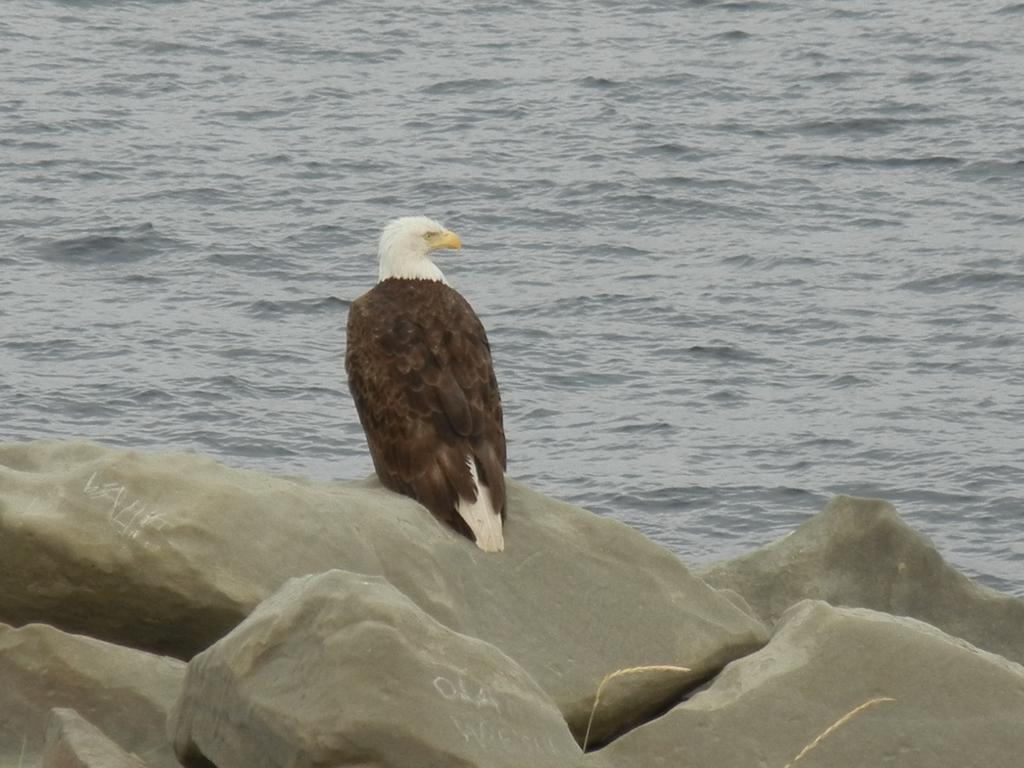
419,369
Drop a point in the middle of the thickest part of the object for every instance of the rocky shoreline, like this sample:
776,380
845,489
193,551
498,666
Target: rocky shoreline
166,610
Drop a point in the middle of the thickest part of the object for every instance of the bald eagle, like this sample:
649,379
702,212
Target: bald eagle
419,369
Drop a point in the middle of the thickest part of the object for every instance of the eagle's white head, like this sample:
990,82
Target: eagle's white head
405,245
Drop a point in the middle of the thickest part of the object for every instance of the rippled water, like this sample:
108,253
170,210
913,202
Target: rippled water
733,257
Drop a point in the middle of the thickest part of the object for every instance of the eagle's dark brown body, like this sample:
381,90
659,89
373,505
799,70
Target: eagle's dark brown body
419,369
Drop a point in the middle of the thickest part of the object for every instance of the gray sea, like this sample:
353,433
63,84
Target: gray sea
733,257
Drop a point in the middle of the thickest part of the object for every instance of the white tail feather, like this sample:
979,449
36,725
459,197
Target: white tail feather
480,515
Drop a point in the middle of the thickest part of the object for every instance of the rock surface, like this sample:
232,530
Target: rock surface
860,553
953,705
342,669
422,650
124,692
74,742
168,552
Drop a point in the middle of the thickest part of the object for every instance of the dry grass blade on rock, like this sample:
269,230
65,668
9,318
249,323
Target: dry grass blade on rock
837,725
621,673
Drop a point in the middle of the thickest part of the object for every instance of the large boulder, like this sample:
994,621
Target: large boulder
169,551
342,669
843,688
860,553
124,692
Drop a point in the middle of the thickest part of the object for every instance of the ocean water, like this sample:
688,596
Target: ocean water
733,257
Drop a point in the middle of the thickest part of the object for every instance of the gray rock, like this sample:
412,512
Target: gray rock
169,551
74,742
342,669
860,553
126,693
953,704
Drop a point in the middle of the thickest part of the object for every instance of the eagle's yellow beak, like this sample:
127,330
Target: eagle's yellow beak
446,239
